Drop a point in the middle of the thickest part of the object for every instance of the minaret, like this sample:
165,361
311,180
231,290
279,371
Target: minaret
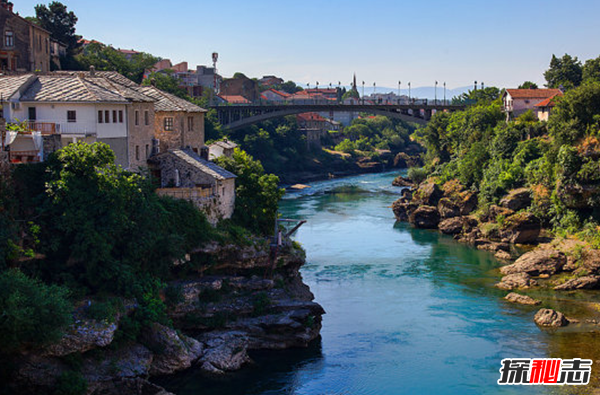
354,83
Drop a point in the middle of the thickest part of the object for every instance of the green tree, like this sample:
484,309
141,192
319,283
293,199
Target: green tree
106,58
33,313
591,70
165,81
528,85
257,193
60,22
576,114
479,96
566,72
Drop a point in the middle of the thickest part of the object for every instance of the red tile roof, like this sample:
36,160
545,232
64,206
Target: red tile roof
533,93
237,99
549,102
280,93
310,116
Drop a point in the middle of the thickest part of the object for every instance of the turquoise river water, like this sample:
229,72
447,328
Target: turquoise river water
408,311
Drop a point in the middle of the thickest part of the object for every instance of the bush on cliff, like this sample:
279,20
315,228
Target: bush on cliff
33,313
257,193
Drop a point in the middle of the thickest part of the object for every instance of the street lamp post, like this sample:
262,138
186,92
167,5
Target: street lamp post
409,92
435,93
444,92
363,92
373,90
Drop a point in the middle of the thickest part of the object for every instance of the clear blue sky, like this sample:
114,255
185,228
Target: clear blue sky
499,42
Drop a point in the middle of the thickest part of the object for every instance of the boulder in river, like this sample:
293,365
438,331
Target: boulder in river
428,193
514,297
521,228
585,282
448,209
402,182
425,217
517,280
537,262
451,226
550,318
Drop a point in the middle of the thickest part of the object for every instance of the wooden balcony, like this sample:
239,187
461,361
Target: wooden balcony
47,128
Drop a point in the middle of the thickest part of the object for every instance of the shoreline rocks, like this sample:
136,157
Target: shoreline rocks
514,297
550,318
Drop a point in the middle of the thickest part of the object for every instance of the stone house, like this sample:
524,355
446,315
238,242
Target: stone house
240,86
315,127
76,106
183,174
544,108
518,101
275,95
221,148
24,46
177,122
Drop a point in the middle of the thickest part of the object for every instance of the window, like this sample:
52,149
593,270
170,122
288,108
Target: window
137,117
114,116
146,118
147,151
9,38
137,152
71,116
120,116
100,118
168,123
32,113
106,116
190,124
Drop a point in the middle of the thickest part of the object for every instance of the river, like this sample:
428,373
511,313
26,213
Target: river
408,311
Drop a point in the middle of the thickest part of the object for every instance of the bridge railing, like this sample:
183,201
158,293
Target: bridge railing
359,102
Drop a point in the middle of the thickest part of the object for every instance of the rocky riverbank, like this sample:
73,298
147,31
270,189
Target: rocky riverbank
555,265
231,300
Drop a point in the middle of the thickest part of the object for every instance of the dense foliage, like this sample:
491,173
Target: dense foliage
107,58
80,225
375,133
257,193
558,160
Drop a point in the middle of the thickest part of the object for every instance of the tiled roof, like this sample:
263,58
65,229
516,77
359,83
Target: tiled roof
169,103
235,99
69,88
10,84
310,116
549,102
224,144
121,84
280,93
205,166
533,93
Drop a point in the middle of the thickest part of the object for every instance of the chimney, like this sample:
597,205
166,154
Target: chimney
92,71
7,5
204,153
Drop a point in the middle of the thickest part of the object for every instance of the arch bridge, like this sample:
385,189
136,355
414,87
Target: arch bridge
234,116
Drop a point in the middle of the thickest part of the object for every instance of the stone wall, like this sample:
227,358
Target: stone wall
182,136
140,134
24,55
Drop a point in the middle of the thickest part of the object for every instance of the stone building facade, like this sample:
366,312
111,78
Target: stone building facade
24,46
183,174
141,134
177,122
